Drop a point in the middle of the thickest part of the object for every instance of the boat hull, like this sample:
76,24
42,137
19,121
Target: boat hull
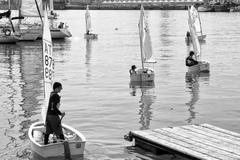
202,66
76,142
28,35
143,75
205,9
90,36
59,33
9,39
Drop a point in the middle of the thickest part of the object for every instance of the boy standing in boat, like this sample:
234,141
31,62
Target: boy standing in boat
53,122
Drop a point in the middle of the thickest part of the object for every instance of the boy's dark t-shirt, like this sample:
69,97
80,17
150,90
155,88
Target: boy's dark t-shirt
52,105
190,61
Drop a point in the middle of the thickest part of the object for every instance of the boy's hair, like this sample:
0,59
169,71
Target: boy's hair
56,85
191,53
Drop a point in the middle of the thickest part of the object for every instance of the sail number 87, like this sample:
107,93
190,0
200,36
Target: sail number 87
49,67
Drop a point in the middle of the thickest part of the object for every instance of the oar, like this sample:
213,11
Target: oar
67,151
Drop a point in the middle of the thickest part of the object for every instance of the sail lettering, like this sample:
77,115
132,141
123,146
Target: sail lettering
48,62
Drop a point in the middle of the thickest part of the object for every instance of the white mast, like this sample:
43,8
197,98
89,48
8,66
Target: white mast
141,33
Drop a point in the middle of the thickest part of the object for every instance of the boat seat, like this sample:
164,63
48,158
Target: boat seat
38,136
40,128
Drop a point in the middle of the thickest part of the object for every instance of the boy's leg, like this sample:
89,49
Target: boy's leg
46,136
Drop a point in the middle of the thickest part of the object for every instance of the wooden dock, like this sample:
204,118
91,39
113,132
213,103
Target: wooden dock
204,141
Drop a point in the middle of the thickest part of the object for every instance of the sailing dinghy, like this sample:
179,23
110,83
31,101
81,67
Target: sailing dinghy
144,73
202,66
197,23
88,33
74,142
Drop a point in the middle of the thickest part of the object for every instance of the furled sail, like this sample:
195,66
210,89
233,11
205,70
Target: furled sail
145,39
192,28
196,19
29,8
48,64
88,20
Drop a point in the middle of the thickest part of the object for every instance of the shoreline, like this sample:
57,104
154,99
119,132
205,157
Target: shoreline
167,5
163,7
160,6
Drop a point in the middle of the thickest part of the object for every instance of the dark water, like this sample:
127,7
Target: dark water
97,97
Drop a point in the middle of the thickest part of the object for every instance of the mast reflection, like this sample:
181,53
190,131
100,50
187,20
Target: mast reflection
88,58
147,98
192,86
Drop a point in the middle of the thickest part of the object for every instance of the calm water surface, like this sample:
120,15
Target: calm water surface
97,97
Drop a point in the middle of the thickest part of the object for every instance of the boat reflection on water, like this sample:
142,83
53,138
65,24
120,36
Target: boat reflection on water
146,100
88,58
192,84
21,88
35,156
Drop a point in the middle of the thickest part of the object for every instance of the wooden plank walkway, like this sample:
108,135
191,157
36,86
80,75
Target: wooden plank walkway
204,141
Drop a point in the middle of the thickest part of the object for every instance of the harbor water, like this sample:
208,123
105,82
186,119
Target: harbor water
97,95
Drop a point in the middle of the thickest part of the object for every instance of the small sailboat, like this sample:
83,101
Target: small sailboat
144,73
202,66
88,33
74,142
197,23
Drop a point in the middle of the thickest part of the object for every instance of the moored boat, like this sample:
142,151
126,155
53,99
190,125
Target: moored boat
205,8
8,37
29,10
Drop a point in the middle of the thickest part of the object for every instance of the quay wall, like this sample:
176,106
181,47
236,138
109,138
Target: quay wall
115,4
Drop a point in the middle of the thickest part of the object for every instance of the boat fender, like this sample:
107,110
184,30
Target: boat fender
7,32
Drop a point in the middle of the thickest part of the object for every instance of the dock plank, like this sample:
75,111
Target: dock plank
208,140
213,133
237,135
170,144
203,141
200,145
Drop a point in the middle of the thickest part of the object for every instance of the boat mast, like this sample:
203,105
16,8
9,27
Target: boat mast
10,17
200,23
39,10
141,32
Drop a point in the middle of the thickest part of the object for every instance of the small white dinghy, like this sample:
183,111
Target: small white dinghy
74,142
144,73
73,145
196,21
89,34
202,66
